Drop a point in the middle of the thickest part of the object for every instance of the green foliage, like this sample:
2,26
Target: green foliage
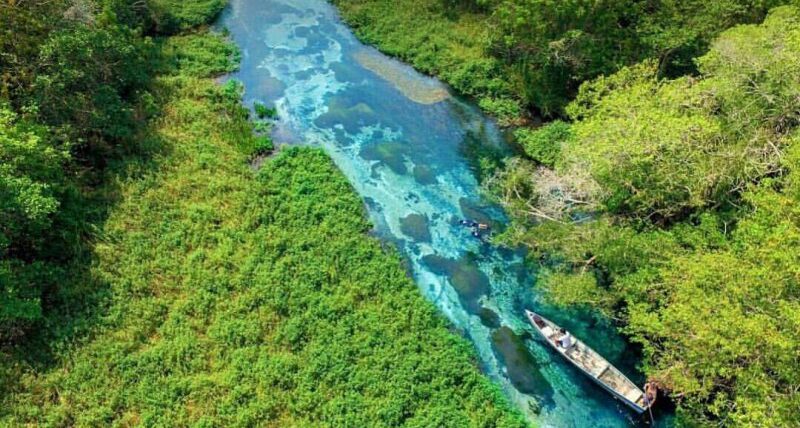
693,234
507,110
87,84
207,294
653,151
74,93
741,304
752,126
262,126
558,45
264,112
29,171
517,55
659,149
199,55
441,40
264,145
172,16
21,34
31,178
544,144
235,299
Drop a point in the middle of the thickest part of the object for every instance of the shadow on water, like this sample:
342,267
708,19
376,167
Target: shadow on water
521,367
415,226
466,278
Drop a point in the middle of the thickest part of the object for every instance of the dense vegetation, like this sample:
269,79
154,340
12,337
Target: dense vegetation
691,185
150,276
521,55
72,88
666,195
438,39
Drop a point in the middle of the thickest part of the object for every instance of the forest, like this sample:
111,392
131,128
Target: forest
657,174
151,275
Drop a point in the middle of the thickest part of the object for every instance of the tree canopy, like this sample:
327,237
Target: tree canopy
685,222
534,54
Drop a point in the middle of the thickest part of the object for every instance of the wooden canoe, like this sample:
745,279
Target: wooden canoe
592,364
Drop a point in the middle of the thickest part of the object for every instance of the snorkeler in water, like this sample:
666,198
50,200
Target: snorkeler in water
468,223
478,228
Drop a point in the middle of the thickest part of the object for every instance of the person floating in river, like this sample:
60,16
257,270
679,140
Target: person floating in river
468,223
477,228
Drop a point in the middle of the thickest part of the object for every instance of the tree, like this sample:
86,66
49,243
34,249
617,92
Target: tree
557,45
696,235
88,81
31,175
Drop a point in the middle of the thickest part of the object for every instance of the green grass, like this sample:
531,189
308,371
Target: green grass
171,16
220,296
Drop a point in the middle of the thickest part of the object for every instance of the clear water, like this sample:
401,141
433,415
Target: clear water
401,140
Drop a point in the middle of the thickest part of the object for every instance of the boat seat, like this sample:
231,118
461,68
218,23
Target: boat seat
547,331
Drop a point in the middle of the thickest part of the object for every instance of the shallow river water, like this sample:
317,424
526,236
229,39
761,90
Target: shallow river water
402,140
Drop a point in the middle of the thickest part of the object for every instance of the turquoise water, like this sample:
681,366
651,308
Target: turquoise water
401,139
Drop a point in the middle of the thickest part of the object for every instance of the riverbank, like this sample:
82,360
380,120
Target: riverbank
221,296
403,143
652,201
448,43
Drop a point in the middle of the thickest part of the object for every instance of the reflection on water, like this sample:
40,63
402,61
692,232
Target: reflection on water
401,140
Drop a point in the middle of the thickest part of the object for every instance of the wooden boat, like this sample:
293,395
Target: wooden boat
592,364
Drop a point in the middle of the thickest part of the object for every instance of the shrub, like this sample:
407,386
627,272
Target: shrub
264,112
543,145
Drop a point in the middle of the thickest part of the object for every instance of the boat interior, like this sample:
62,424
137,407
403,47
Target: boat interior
594,364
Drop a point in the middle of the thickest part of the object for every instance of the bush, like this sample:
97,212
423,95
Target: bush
544,144
88,85
172,16
31,180
264,112
263,145
199,55
506,110
262,126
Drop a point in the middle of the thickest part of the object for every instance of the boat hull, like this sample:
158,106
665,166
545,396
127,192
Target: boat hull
591,364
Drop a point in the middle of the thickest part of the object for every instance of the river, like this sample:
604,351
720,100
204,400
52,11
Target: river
402,139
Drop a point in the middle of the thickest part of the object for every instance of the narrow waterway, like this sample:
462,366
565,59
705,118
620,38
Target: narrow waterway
403,139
